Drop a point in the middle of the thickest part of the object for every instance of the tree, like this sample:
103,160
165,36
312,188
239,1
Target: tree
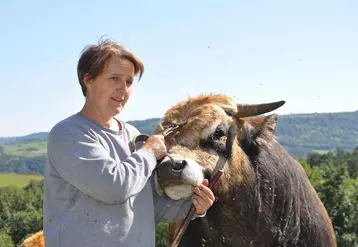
161,235
353,164
21,210
329,175
5,240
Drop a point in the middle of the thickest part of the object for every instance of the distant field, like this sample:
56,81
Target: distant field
26,149
11,179
320,151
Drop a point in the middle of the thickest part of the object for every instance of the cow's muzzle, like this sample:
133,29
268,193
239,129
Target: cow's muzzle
174,169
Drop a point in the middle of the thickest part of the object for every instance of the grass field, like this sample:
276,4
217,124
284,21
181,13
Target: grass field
11,179
25,149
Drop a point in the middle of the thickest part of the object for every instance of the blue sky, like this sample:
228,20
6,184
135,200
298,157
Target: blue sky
304,52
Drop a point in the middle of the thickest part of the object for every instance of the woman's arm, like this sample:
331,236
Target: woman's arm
82,161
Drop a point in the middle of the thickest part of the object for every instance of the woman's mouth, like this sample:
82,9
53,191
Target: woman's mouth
119,100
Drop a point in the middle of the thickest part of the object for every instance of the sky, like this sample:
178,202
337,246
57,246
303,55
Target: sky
303,52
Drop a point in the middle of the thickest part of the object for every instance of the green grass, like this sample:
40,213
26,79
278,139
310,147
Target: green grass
320,151
26,149
11,179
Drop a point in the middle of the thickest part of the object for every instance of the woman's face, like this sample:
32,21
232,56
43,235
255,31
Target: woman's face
109,92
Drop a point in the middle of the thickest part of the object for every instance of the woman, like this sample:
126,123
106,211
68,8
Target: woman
98,193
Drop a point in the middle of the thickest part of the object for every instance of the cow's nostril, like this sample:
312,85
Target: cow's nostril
180,165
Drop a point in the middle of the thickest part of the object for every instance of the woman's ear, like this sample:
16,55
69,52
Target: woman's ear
87,79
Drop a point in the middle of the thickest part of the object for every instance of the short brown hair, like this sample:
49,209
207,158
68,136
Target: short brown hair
94,60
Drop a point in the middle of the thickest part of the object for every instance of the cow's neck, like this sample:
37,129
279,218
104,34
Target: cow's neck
237,173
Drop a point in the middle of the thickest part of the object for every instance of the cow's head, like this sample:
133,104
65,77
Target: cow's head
213,126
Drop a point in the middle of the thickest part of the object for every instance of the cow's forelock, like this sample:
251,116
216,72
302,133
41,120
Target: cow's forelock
221,118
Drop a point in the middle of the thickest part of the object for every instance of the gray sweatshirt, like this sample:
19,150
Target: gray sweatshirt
98,193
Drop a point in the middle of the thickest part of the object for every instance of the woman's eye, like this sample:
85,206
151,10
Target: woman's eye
129,82
114,78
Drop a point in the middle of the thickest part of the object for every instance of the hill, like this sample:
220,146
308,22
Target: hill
321,132
34,137
299,133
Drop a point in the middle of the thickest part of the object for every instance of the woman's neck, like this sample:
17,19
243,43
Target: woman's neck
91,112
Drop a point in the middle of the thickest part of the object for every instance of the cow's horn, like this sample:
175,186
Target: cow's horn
247,110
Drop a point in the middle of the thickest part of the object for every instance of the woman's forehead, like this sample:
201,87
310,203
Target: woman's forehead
120,66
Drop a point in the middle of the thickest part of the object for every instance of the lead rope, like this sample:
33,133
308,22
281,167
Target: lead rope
191,213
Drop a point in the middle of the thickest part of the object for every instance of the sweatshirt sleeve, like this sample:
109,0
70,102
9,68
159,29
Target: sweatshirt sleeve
81,160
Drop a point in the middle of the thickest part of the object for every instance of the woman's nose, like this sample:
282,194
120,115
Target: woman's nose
121,85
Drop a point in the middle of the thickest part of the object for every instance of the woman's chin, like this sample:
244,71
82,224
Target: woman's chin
117,110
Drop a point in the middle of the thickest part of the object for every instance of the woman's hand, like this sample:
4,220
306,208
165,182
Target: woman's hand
203,198
157,145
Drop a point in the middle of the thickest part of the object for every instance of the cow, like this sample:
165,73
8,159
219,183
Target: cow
264,197
35,240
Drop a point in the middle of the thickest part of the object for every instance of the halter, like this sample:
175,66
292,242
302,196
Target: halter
169,128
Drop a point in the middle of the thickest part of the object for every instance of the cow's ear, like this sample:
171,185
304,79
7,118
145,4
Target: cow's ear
256,131
265,126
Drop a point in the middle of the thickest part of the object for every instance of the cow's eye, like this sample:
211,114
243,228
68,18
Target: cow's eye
229,113
220,132
213,140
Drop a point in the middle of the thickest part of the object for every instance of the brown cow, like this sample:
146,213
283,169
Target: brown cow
36,240
264,195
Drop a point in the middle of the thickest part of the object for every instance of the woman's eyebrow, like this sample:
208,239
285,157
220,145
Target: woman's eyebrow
118,74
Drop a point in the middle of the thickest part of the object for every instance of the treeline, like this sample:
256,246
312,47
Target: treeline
34,137
303,133
334,175
22,165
